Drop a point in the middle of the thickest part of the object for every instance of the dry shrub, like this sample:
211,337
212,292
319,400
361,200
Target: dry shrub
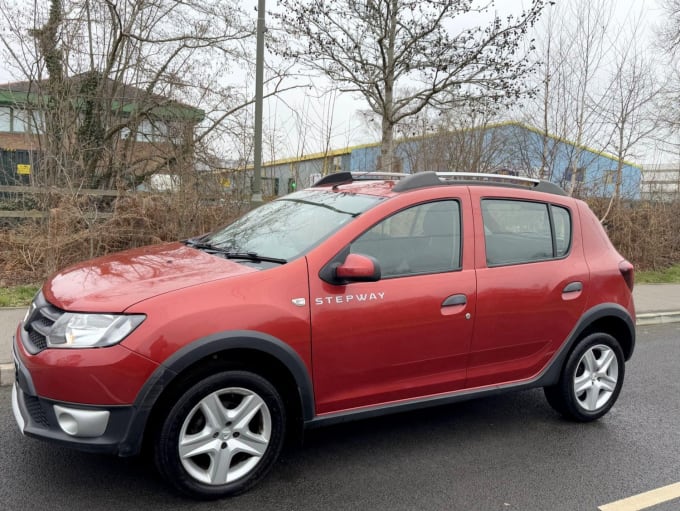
646,233
77,229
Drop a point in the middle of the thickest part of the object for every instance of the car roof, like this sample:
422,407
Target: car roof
387,183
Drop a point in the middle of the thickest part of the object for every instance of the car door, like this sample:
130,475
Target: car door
408,334
532,284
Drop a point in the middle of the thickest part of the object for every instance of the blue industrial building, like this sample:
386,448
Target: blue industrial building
511,148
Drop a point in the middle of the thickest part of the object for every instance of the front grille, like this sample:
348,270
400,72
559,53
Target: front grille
42,315
36,411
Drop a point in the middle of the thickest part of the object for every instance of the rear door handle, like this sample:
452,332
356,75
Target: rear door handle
573,287
454,300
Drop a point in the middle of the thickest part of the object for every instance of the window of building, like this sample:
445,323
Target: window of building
5,119
521,232
154,130
145,131
15,120
418,240
580,175
21,121
173,132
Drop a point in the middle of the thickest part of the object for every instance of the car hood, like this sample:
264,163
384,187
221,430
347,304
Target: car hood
114,283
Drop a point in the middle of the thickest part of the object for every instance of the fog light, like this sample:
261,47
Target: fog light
82,423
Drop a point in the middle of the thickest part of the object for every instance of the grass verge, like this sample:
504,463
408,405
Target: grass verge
666,276
17,296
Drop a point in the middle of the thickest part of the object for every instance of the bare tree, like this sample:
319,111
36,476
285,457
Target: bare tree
403,55
112,84
635,87
579,45
670,31
668,104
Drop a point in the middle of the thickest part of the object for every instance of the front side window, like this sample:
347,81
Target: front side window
521,232
289,227
417,240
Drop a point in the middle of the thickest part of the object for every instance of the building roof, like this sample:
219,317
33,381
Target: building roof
125,98
517,124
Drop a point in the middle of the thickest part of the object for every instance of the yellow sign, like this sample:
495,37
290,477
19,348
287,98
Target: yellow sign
226,182
23,170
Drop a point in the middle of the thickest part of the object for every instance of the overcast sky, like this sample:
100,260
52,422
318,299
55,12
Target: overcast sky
347,125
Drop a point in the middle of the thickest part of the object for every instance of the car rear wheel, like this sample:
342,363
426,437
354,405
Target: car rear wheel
222,435
591,379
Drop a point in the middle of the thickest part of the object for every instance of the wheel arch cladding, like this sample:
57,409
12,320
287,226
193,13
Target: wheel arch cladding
609,318
613,320
244,350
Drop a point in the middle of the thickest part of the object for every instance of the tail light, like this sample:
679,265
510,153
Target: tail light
628,273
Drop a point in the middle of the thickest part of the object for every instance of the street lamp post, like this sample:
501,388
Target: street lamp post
259,78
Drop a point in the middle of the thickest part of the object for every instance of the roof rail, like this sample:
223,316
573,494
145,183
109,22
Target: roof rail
490,177
347,177
426,179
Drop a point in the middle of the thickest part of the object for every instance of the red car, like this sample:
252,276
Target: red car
363,295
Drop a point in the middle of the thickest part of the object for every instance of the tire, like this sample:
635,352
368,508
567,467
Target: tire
591,379
221,436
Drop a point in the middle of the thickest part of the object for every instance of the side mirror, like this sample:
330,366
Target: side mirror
358,268
355,268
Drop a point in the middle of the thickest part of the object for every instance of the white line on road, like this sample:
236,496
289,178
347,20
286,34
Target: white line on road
645,500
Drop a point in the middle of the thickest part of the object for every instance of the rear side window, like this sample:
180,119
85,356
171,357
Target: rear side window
518,232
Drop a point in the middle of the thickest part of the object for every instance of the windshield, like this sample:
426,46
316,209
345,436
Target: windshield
288,227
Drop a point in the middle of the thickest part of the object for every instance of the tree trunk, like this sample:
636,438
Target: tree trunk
387,146
387,163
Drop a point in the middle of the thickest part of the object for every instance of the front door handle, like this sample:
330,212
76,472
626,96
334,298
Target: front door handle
455,300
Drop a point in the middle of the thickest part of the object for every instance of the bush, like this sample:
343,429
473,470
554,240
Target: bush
75,230
644,232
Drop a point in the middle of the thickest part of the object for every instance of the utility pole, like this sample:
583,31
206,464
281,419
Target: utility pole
259,79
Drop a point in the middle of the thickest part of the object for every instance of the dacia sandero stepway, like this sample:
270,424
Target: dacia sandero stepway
362,295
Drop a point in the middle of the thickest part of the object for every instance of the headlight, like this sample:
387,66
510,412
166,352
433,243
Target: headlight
75,330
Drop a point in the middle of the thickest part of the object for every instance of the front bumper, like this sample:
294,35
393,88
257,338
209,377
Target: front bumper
84,427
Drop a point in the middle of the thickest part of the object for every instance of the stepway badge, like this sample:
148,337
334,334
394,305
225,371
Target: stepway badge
341,299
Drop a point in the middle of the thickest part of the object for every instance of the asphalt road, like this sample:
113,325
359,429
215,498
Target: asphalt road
503,453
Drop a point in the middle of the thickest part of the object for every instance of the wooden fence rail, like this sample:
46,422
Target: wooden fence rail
63,191
38,190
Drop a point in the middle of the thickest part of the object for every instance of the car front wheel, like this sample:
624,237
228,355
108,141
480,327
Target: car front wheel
222,435
591,379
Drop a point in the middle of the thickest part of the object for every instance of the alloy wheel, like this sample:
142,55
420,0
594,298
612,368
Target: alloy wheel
595,378
225,436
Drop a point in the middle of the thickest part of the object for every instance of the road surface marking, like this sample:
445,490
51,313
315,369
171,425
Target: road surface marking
645,500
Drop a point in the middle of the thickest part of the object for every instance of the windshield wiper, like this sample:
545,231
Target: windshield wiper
252,256
231,254
322,205
200,245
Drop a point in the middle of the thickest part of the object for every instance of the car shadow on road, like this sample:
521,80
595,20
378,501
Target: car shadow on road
352,463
